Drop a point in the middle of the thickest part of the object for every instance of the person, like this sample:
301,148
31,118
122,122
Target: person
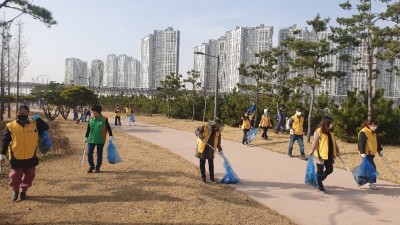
208,141
21,138
325,150
96,136
84,115
128,112
117,111
280,118
368,145
296,123
75,112
265,123
87,115
245,127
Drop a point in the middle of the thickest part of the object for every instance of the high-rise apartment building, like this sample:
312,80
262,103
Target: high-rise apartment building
111,71
75,72
134,73
159,56
96,74
122,71
201,65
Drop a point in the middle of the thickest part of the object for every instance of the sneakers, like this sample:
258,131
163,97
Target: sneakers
322,189
90,169
22,196
303,157
14,196
372,186
97,170
290,155
203,179
212,180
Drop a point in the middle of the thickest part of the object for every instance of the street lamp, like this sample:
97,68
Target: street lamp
216,81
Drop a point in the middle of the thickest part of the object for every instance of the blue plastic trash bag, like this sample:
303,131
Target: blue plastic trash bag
251,135
132,117
44,143
364,173
311,175
112,154
230,176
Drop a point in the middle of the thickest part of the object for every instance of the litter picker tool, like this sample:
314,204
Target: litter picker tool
395,172
345,164
84,153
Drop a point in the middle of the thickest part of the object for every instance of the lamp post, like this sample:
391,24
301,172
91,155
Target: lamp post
216,81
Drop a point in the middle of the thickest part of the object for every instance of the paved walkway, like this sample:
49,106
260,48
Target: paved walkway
277,181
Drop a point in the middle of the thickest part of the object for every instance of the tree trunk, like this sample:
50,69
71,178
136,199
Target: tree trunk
310,113
2,77
205,106
18,64
369,79
257,99
8,80
193,103
279,117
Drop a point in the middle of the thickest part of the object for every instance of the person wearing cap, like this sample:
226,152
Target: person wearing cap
96,133
208,141
20,141
296,123
368,145
325,150
265,123
117,111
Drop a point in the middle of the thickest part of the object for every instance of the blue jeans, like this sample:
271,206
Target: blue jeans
99,155
299,139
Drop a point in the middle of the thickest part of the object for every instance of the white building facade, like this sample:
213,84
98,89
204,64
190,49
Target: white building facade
75,72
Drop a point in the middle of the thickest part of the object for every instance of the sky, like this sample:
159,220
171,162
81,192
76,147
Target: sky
92,29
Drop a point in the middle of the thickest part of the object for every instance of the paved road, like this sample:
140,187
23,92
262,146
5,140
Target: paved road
277,181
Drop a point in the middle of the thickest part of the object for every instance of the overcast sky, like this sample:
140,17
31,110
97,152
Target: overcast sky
92,29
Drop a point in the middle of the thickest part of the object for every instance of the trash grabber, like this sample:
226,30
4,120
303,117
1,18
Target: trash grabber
390,167
345,165
84,153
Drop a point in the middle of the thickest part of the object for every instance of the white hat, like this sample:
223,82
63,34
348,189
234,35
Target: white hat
265,111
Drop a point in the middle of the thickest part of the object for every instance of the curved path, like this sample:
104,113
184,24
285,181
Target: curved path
277,181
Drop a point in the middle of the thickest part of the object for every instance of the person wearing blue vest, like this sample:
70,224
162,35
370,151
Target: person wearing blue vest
208,141
96,134
368,145
20,142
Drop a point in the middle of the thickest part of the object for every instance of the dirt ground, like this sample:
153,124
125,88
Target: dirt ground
151,186
279,143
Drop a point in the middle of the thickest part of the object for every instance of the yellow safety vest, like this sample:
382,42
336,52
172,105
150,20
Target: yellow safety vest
201,146
265,121
246,124
297,125
371,147
323,145
117,112
24,140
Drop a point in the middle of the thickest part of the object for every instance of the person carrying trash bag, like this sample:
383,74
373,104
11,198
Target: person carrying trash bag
325,150
96,136
21,138
296,123
246,128
208,139
265,123
368,145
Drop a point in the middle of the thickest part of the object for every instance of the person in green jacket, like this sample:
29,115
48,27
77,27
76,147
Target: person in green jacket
96,136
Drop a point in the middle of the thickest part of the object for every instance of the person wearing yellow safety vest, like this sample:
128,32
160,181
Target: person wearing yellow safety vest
128,112
368,145
245,127
117,111
20,141
296,123
325,150
265,123
208,141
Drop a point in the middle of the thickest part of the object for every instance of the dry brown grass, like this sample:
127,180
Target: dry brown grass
151,186
279,143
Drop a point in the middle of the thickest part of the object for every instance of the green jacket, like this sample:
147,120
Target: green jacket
97,130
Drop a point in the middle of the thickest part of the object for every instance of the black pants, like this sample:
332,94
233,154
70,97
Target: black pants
264,133
321,174
210,168
117,121
244,140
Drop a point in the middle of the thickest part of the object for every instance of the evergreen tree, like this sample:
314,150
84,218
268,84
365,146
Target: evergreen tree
171,90
366,40
194,79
